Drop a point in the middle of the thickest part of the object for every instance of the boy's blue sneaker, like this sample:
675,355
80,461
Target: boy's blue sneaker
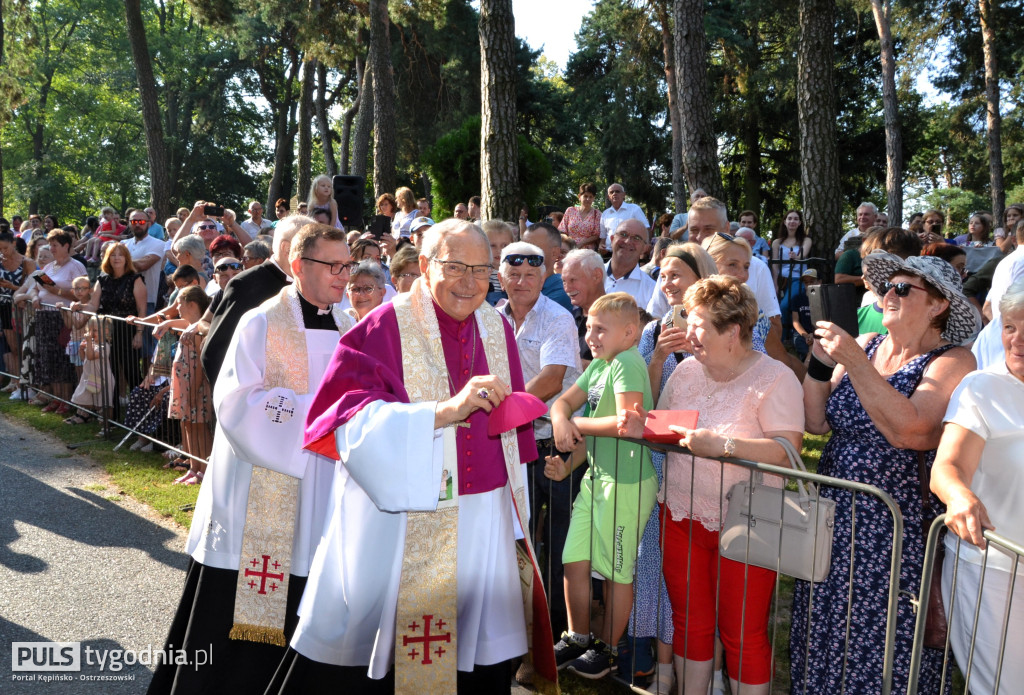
596,663
567,650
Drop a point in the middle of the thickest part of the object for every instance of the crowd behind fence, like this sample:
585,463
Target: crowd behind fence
126,376
151,386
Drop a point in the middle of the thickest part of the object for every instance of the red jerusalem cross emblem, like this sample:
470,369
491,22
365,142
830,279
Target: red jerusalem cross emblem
264,574
426,639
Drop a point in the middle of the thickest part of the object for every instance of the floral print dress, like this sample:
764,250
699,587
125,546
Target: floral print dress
822,659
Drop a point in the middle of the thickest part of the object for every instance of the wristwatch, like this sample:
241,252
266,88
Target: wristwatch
728,448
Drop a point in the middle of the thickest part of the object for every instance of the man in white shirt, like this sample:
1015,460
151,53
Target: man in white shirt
867,214
146,253
623,272
617,212
549,354
256,222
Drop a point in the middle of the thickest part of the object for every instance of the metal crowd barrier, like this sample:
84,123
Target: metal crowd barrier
166,401
962,638
549,499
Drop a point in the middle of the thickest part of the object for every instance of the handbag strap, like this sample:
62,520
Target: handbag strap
796,462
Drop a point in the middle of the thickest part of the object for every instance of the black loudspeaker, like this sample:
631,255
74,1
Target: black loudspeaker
835,303
348,194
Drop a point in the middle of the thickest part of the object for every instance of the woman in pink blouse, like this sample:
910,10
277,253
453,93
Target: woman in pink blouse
583,222
744,399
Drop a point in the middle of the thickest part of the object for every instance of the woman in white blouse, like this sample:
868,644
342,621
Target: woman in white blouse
979,474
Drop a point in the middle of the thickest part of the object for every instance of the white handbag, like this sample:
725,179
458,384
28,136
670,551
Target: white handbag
780,530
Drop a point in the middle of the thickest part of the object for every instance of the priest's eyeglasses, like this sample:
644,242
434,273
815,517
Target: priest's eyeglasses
336,268
456,269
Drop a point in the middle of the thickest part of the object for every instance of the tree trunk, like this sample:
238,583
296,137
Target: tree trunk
700,147
38,133
156,147
364,126
282,153
305,152
385,148
993,120
668,50
752,179
349,116
816,113
499,149
323,123
284,108
882,10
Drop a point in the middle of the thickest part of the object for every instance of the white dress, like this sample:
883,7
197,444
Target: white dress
990,403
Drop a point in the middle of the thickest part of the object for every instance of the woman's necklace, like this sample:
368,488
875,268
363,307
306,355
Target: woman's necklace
472,362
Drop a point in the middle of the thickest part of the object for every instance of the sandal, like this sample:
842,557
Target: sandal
77,419
63,409
196,479
51,407
38,401
184,480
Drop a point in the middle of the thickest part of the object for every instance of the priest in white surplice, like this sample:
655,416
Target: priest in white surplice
416,586
262,505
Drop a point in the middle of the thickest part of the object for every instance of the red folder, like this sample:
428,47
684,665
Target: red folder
656,427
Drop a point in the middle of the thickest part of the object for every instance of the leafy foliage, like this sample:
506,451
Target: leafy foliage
454,165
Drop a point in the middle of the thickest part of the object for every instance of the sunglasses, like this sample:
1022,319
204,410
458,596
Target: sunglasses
228,266
902,289
206,226
727,237
136,221
516,260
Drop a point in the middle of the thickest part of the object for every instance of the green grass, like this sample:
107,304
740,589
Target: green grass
133,473
811,452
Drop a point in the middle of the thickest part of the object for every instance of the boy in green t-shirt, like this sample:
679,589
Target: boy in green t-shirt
618,492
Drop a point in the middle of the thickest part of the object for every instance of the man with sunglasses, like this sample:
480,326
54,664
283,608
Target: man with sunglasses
623,272
146,252
550,357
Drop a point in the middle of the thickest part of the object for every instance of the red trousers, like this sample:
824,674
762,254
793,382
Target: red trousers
692,585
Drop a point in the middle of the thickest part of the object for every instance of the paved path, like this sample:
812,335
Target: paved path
76,566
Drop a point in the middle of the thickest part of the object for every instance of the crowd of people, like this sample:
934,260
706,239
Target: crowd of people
307,574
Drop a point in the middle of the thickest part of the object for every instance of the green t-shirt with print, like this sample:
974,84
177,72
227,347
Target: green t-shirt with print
610,458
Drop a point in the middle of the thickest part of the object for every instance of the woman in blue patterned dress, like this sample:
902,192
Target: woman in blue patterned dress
663,347
883,398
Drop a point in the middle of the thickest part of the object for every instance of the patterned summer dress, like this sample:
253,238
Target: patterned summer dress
857,451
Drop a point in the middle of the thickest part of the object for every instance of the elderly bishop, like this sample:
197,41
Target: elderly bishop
262,506
419,585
